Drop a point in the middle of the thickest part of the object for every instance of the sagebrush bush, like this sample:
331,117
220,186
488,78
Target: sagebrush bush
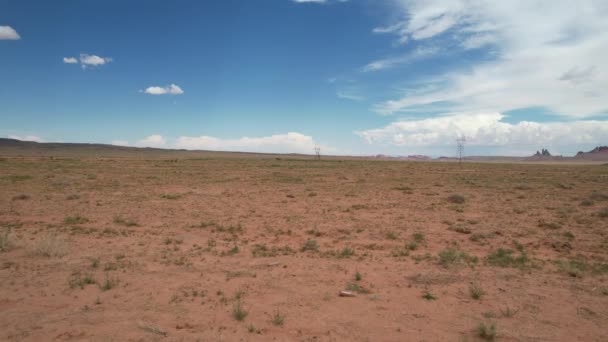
51,245
6,240
456,198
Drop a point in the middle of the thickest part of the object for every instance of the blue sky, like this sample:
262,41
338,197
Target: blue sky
355,77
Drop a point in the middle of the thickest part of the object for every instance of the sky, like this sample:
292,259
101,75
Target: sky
355,77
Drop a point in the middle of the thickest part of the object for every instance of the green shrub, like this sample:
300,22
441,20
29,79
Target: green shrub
310,245
75,220
238,312
486,331
451,256
505,258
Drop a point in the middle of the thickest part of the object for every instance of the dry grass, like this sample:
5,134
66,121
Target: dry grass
151,328
486,331
51,245
6,240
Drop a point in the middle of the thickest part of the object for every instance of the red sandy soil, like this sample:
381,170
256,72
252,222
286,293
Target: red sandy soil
144,250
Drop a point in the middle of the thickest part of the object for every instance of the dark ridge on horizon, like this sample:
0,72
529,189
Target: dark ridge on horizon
14,145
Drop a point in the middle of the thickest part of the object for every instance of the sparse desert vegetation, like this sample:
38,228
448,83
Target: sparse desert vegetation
259,247
50,245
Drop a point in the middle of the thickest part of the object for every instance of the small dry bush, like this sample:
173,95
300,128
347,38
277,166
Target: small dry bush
6,240
486,331
51,245
456,198
151,328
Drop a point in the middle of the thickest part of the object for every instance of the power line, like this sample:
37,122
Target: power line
318,152
460,142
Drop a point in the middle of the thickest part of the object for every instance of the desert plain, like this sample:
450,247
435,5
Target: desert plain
212,247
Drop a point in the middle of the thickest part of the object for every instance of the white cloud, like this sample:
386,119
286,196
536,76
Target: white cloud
93,60
120,142
544,54
291,142
417,54
349,96
87,60
26,138
171,89
487,129
155,140
8,33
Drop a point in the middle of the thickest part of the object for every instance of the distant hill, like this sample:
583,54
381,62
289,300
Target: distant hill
13,147
19,148
16,148
599,153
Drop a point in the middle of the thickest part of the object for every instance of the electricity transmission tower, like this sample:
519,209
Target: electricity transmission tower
318,152
460,141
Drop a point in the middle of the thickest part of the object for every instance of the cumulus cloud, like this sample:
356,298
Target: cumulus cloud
171,89
155,140
87,60
487,129
539,54
93,60
291,142
8,33
26,138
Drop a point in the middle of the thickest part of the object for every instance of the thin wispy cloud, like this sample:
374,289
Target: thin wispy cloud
8,33
545,54
349,96
387,63
171,89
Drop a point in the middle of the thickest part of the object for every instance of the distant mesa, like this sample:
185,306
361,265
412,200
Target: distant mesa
599,149
543,153
598,153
